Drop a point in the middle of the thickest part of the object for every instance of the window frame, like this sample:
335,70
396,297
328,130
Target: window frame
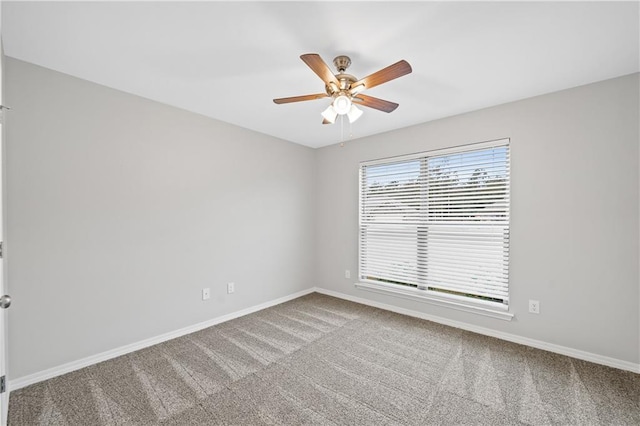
458,302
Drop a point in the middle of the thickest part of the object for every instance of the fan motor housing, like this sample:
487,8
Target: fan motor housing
345,80
342,62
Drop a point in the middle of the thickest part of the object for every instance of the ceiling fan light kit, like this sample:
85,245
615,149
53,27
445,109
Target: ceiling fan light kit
342,104
330,114
354,113
346,90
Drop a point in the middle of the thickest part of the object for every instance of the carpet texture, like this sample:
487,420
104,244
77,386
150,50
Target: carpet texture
326,361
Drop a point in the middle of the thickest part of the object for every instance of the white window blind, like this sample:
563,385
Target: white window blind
439,222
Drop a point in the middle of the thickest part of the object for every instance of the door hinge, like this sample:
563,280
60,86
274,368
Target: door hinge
1,249
2,110
3,386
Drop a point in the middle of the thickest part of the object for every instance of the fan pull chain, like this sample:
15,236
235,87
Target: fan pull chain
342,130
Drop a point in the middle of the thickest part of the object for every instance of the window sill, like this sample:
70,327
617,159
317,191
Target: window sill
422,296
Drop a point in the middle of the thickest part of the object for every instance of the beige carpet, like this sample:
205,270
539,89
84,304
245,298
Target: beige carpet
321,360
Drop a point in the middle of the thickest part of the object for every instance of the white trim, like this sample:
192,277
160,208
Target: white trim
423,296
123,350
442,151
551,347
387,229
21,382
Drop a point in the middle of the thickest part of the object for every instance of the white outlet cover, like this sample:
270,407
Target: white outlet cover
534,306
347,273
231,287
206,293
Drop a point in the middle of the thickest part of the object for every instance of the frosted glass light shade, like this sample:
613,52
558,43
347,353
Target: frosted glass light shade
330,114
342,104
354,113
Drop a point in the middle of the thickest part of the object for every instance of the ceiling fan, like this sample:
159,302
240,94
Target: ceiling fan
346,90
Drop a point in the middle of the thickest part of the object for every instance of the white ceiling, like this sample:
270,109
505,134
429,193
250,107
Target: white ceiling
228,60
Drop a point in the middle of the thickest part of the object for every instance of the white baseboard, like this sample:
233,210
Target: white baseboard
551,347
50,373
123,350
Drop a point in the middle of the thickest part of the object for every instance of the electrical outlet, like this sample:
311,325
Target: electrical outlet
206,293
347,273
534,306
231,287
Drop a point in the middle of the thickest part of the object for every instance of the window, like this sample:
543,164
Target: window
439,222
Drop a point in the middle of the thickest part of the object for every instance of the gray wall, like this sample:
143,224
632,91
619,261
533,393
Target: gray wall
120,210
574,213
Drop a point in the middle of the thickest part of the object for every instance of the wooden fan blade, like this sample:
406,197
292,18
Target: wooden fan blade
325,121
389,73
376,103
315,62
300,98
